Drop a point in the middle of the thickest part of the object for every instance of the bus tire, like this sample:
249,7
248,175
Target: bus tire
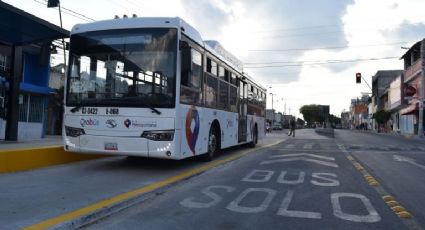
213,145
254,141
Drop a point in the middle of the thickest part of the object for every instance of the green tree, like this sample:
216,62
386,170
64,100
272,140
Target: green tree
300,121
382,116
312,113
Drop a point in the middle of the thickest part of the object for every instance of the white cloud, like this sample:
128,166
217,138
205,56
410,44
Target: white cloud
243,25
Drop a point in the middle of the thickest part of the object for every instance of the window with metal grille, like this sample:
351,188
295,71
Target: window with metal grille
31,108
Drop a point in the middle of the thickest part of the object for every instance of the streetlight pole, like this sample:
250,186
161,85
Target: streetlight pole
272,110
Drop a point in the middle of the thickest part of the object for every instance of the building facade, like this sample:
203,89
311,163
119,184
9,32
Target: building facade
414,67
24,73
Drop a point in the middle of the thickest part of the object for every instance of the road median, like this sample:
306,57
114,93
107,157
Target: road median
325,131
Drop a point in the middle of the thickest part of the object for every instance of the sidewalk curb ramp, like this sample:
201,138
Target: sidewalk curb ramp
15,160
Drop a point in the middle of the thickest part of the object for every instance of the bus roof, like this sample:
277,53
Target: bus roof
140,22
164,22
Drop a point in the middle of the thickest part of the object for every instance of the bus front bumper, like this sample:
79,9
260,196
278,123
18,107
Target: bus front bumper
125,146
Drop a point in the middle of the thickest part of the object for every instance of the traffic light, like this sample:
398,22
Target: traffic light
358,78
52,3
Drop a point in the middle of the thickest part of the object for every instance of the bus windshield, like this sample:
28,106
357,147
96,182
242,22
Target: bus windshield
129,68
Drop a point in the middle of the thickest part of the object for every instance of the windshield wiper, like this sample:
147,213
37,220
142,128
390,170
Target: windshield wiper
154,110
76,108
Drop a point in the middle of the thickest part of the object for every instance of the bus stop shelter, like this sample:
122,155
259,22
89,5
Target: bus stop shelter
18,29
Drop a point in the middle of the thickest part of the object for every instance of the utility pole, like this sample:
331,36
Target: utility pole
272,110
422,91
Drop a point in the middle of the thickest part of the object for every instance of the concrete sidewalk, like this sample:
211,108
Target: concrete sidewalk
395,134
47,141
26,155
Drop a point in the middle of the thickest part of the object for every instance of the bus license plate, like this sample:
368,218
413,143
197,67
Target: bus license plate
111,146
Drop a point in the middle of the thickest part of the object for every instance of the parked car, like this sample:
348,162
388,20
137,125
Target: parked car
277,127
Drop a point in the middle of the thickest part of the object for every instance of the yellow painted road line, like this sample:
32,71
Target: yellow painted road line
137,192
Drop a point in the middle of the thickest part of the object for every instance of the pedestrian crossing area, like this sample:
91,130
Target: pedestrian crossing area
350,147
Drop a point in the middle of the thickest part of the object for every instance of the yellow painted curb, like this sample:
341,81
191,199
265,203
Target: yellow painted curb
398,209
404,214
26,159
137,192
392,203
388,198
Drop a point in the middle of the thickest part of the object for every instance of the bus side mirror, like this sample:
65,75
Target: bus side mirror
186,58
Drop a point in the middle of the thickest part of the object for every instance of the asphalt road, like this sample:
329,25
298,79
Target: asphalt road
397,162
306,182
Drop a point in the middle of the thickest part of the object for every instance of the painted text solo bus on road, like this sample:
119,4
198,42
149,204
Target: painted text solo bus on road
152,87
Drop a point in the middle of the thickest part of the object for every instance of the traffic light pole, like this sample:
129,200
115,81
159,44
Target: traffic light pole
367,83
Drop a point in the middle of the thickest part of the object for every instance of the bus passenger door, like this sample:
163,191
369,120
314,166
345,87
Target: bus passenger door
242,127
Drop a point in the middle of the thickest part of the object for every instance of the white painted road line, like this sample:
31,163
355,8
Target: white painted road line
308,146
302,155
408,160
325,163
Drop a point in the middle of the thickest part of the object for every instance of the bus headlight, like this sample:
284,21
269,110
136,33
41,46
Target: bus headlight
74,132
161,135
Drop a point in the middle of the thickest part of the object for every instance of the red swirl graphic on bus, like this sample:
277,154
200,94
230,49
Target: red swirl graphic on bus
192,135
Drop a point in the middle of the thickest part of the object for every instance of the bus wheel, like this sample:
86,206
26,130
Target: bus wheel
254,141
213,145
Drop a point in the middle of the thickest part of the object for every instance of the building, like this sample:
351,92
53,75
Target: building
380,94
24,74
345,120
414,75
359,113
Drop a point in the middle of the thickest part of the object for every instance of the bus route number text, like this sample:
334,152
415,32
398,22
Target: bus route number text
112,111
88,110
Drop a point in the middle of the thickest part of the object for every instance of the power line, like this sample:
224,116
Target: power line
69,12
327,47
324,62
327,26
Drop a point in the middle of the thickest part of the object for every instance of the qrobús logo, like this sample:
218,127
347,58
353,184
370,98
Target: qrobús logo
192,128
89,122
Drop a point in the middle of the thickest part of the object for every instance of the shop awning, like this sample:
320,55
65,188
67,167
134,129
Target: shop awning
18,27
411,109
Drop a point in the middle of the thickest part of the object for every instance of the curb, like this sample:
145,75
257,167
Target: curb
16,160
326,132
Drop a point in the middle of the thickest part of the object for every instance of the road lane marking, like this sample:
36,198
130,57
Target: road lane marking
260,176
109,202
405,216
408,160
330,181
281,179
303,154
325,163
215,198
372,217
308,146
236,206
284,209
290,146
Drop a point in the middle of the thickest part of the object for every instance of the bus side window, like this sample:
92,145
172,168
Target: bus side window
191,82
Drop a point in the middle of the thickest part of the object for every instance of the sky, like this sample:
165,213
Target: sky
303,52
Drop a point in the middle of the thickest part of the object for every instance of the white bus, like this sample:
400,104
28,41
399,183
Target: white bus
152,87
